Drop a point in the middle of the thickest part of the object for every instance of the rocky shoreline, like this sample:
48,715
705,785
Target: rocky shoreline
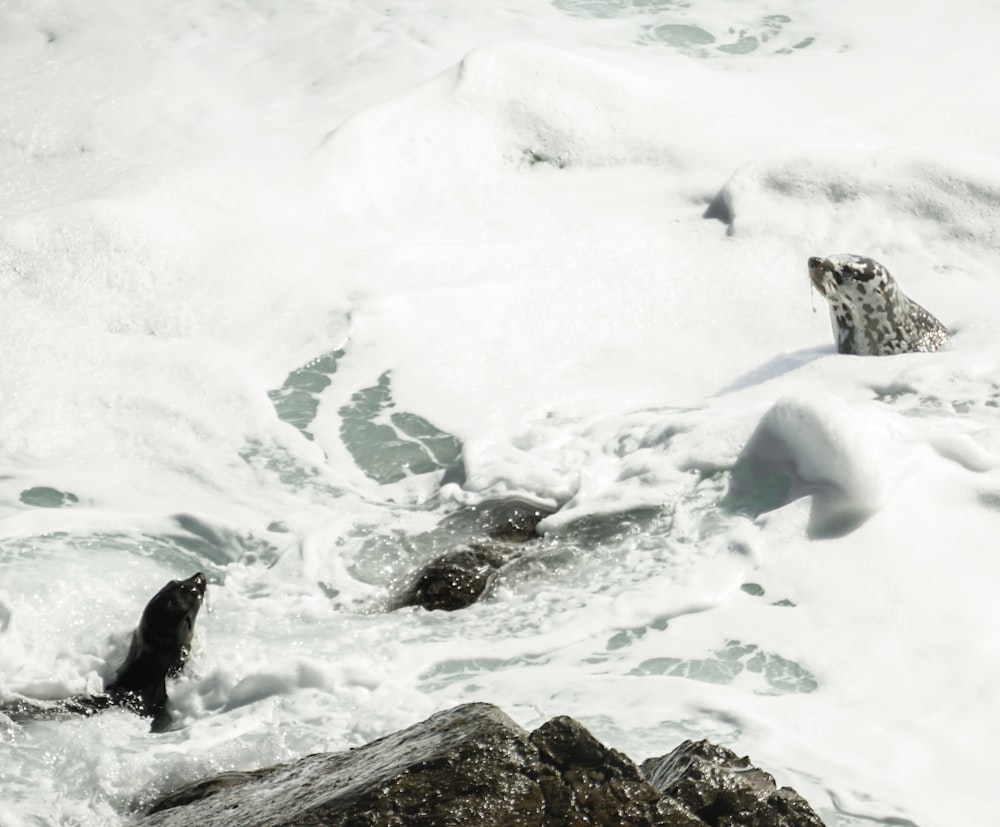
473,766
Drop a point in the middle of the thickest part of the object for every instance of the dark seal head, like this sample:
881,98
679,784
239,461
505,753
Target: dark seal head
871,316
160,646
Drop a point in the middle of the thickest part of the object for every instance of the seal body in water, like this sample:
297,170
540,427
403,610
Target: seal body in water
871,316
160,647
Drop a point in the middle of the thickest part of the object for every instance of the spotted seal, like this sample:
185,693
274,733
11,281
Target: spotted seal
159,649
871,316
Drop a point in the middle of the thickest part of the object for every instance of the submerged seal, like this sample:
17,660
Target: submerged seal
871,316
160,646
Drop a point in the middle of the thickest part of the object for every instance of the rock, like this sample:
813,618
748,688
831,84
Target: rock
459,578
471,765
513,520
456,580
722,789
467,765
585,782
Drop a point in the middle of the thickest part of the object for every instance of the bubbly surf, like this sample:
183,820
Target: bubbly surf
286,285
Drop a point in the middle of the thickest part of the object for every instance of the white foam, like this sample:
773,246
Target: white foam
499,214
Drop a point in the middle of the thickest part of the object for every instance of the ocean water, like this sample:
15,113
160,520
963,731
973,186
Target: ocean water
287,284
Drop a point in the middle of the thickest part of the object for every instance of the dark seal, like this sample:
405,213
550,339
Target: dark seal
160,647
871,316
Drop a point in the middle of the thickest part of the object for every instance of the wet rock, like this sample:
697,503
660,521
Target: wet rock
472,765
467,765
583,779
458,579
511,521
722,789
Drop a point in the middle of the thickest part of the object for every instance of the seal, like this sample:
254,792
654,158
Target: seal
159,649
870,314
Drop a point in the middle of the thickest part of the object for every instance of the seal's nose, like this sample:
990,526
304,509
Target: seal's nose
196,583
819,274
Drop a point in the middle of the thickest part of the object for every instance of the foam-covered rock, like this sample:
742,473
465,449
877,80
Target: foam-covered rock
448,147
810,445
867,195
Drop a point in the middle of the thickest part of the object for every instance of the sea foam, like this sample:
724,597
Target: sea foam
286,288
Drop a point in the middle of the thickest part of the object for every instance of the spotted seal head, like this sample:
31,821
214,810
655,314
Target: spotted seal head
871,316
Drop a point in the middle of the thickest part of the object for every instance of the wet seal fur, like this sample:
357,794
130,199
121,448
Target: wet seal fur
160,647
870,315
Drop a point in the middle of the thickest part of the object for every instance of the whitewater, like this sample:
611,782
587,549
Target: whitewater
286,285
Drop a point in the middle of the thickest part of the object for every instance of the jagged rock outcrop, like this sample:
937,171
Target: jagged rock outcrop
722,789
470,765
458,578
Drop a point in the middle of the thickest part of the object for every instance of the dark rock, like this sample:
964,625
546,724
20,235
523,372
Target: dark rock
467,760
584,778
497,530
674,814
513,521
472,765
723,789
456,580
